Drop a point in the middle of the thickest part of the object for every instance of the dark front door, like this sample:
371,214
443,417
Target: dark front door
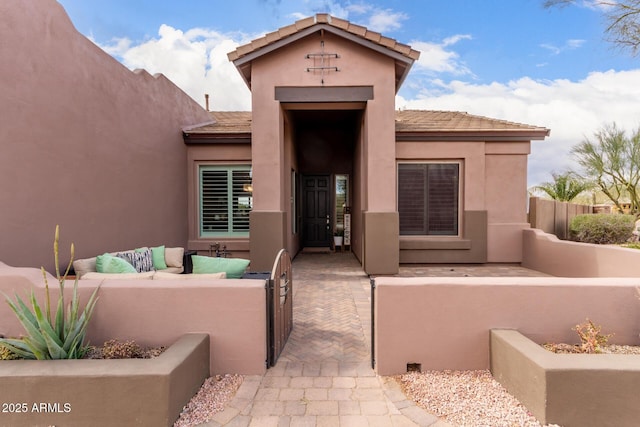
316,220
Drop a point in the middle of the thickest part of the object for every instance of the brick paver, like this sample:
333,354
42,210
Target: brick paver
324,376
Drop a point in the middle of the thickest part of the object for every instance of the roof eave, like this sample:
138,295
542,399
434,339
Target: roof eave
206,137
474,135
243,62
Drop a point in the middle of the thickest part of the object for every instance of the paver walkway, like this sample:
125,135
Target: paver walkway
324,376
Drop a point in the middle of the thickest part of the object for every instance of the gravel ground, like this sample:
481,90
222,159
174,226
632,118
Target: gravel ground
214,394
605,349
462,398
466,398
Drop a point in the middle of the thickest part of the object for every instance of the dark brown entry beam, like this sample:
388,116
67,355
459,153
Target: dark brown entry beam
324,94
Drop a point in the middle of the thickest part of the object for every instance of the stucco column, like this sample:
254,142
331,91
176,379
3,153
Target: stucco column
381,230
267,220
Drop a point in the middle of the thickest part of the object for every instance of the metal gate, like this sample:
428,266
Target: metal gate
279,306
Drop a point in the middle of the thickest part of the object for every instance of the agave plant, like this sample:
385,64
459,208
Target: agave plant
59,337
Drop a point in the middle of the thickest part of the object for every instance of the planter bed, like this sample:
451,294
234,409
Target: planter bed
131,392
567,389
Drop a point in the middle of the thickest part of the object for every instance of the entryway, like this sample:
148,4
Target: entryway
323,169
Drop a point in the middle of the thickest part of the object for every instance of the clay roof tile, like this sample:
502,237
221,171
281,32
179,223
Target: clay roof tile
407,121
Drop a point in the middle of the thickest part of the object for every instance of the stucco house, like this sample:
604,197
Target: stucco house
123,159
324,135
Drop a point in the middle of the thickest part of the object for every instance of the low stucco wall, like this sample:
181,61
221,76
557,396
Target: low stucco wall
444,323
156,312
548,254
131,392
571,390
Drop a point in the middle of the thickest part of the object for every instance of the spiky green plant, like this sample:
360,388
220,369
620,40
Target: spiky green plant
565,187
47,337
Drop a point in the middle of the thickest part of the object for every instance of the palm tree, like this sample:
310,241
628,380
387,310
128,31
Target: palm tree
564,188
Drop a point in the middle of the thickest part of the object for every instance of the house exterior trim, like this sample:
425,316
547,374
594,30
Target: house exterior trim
485,136
207,138
324,94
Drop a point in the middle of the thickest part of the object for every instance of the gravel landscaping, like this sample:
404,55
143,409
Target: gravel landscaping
214,394
605,349
466,399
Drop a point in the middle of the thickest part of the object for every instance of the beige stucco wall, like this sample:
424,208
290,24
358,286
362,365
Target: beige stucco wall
494,179
157,312
506,198
86,143
444,323
545,252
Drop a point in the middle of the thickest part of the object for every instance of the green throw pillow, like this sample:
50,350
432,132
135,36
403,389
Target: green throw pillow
108,263
157,254
234,267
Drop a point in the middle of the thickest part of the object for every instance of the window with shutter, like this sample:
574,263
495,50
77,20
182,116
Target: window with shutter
428,198
226,198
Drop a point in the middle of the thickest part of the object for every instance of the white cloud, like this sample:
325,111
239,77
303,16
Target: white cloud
572,110
360,8
568,45
386,20
575,43
298,15
195,60
600,5
332,7
437,58
117,46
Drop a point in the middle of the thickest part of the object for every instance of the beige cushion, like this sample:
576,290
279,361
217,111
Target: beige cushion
173,256
172,270
169,276
84,266
127,276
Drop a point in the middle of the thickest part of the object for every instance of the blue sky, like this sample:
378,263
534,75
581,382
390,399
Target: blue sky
507,59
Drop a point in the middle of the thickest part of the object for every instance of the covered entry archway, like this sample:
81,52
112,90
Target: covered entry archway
324,64
324,142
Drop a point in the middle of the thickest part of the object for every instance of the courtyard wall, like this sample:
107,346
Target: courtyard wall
444,323
546,253
158,312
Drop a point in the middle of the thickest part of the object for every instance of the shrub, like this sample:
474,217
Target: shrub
591,338
47,337
602,228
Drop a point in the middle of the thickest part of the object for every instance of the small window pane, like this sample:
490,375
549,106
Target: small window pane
412,198
342,199
214,201
442,184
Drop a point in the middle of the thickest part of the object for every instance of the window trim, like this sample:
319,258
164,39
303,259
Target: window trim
229,168
460,163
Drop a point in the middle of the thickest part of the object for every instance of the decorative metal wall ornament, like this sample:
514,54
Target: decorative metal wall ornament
322,62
